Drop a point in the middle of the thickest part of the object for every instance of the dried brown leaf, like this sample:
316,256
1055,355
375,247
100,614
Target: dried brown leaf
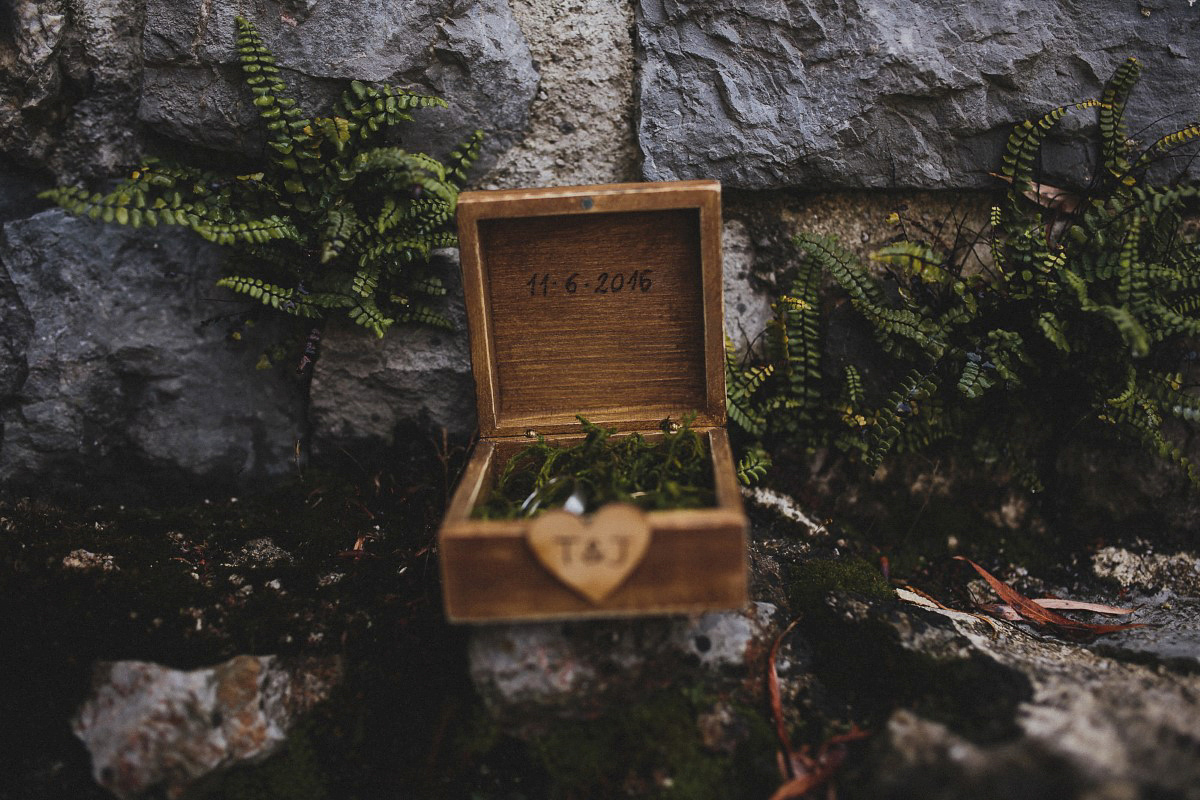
1008,613
818,771
802,772
919,598
1041,616
1079,605
1002,610
776,701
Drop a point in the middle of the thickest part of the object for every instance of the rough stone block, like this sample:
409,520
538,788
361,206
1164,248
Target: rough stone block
894,94
150,728
472,54
111,368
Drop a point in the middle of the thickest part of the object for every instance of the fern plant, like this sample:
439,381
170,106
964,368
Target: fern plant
1082,319
337,217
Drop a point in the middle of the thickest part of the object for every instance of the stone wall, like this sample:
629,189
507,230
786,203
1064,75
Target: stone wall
107,366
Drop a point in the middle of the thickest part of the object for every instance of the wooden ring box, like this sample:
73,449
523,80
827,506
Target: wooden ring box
604,301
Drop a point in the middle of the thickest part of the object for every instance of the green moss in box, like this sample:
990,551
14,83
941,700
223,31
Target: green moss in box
670,473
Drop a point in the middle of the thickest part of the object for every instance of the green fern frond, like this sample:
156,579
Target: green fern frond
431,286
341,223
741,385
843,266
1169,142
852,388
462,157
400,251
752,467
367,314
253,231
1131,282
366,280
372,111
277,110
800,311
1132,331
422,215
1025,142
326,300
1114,140
1006,350
916,259
974,382
1054,330
268,293
899,407
426,316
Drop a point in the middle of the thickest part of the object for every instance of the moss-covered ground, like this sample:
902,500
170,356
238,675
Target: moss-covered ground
195,585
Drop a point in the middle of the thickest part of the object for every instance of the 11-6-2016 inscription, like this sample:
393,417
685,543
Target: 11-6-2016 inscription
543,284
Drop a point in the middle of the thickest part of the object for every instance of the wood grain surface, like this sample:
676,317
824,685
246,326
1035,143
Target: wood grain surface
604,301
695,560
608,345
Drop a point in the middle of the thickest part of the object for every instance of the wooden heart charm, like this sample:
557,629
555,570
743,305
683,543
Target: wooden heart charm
592,555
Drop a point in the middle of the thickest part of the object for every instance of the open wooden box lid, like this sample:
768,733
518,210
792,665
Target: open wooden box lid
604,301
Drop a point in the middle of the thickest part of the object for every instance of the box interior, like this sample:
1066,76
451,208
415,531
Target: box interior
504,449
604,301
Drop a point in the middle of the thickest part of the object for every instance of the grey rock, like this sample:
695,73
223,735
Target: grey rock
1165,587
18,193
1149,572
747,307
900,93
581,121
472,54
261,552
363,387
16,332
114,371
203,105
926,759
151,728
85,560
70,74
1171,636
1027,715
530,675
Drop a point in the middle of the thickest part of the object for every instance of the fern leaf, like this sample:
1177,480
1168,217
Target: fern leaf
1053,329
253,231
916,259
402,251
365,281
268,293
1025,141
895,412
1114,140
340,225
275,107
460,160
431,286
426,316
752,467
367,314
973,381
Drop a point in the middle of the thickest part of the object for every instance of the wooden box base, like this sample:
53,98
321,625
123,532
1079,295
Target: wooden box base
695,559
